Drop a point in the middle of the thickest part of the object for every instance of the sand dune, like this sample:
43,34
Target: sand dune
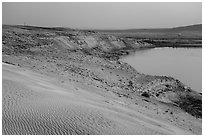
37,104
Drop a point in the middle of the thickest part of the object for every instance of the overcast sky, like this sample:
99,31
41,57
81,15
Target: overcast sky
103,15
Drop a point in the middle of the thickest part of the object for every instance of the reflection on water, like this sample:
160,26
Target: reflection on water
184,64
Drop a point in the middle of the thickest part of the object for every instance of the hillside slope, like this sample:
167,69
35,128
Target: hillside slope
89,60
197,27
187,35
18,39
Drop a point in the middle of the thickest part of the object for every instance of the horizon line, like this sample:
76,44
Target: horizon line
77,28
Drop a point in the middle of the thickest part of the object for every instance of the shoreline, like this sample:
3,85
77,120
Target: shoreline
136,59
129,52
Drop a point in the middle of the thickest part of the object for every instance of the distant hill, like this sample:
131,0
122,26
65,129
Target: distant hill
197,27
37,28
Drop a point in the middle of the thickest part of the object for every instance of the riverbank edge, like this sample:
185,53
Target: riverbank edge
186,99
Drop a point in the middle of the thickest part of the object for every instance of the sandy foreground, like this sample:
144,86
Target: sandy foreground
34,103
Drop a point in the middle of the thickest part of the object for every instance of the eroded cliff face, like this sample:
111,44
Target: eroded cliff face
92,58
19,39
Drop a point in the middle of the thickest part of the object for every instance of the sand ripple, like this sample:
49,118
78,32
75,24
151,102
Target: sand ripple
28,108
28,112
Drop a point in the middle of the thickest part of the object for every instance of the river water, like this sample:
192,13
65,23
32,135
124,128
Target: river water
184,64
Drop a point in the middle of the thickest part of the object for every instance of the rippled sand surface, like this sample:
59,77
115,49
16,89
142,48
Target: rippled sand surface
33,103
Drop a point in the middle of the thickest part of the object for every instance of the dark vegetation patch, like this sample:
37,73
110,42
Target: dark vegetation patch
145,94
191,105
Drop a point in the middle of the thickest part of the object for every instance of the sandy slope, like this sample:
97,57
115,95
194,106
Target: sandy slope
37,104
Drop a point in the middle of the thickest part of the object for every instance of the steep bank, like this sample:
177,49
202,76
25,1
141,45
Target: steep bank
89,59
186,36
19,39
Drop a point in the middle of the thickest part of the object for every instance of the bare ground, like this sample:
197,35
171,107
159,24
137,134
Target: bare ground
34,103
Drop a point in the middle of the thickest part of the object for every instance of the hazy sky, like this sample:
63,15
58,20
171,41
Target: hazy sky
103,15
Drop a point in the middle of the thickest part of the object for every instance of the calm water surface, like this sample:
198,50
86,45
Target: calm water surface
184,64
